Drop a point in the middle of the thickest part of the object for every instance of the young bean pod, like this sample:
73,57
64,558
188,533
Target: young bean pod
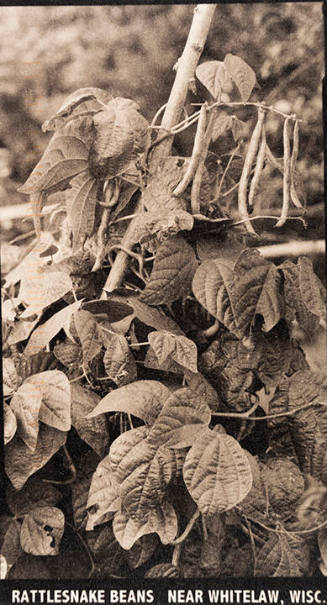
248,162
287,173
196,153
258,167
295,152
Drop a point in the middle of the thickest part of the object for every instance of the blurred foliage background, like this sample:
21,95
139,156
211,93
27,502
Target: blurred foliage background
46,52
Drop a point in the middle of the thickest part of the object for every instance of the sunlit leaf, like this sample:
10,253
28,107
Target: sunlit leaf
10,423
181,349
242,74
81,202
48,330
214,76
162,520
103,497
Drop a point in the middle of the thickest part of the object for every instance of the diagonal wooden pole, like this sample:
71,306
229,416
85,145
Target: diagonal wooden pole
203,14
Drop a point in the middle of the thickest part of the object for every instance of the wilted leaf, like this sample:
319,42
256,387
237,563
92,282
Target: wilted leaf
143,399
214,76
93,431
242,74
181,349
21,462
282,556
180,420
162,520
89,334
34,494
155,318
163,570
142,550
172,273
103,495
217,472
120,135
42,530
82,102
81,202
45,332
255,291
10,423
212,286
9,376
118,360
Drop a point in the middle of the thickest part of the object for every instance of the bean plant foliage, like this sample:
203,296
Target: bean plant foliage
168,424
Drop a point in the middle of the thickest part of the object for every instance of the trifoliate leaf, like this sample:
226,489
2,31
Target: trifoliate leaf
143,399
93,431
181,420
217,472
214,76
48,330
82,102
42,530
103,497
81,202
242,74
255,291
181,349
212,286
118,360
21,462
172,273
10,423
89,334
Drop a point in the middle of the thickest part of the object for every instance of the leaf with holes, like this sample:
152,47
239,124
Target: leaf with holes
48,330
89,334
242,74
212,286
42,530
103,495
81,201
181,420
162,520
255,291
118,360
295,305
10,423
82,102
217,472
172,273
21,462
181,349
120,135
214,76
93,431
143,399
282,556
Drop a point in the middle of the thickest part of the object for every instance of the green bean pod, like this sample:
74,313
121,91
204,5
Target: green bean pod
287,173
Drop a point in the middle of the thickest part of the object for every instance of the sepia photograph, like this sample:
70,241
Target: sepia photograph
163,273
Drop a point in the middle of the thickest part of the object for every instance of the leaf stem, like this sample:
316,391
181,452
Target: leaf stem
244,415
85,546
187,529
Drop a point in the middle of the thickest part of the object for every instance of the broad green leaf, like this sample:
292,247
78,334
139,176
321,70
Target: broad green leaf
282,556
65,157
155,318
34,494
212,286
54,388
42,530
118,360
181,420
48,330
9,376
81,203
255,291
89,334
181,349
93,431
40,288
103,495
169,365
295,297
10,423
172,273
242,74
214,76
217,472
142,471
21,462
120,135
311,288
162,520
222,124
143,399
142,550
84,101
25,405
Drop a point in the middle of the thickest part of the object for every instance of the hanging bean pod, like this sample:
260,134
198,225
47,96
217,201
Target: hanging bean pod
286,174
258,168
196,153
295,152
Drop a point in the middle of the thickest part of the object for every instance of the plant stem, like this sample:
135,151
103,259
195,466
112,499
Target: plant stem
203,15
